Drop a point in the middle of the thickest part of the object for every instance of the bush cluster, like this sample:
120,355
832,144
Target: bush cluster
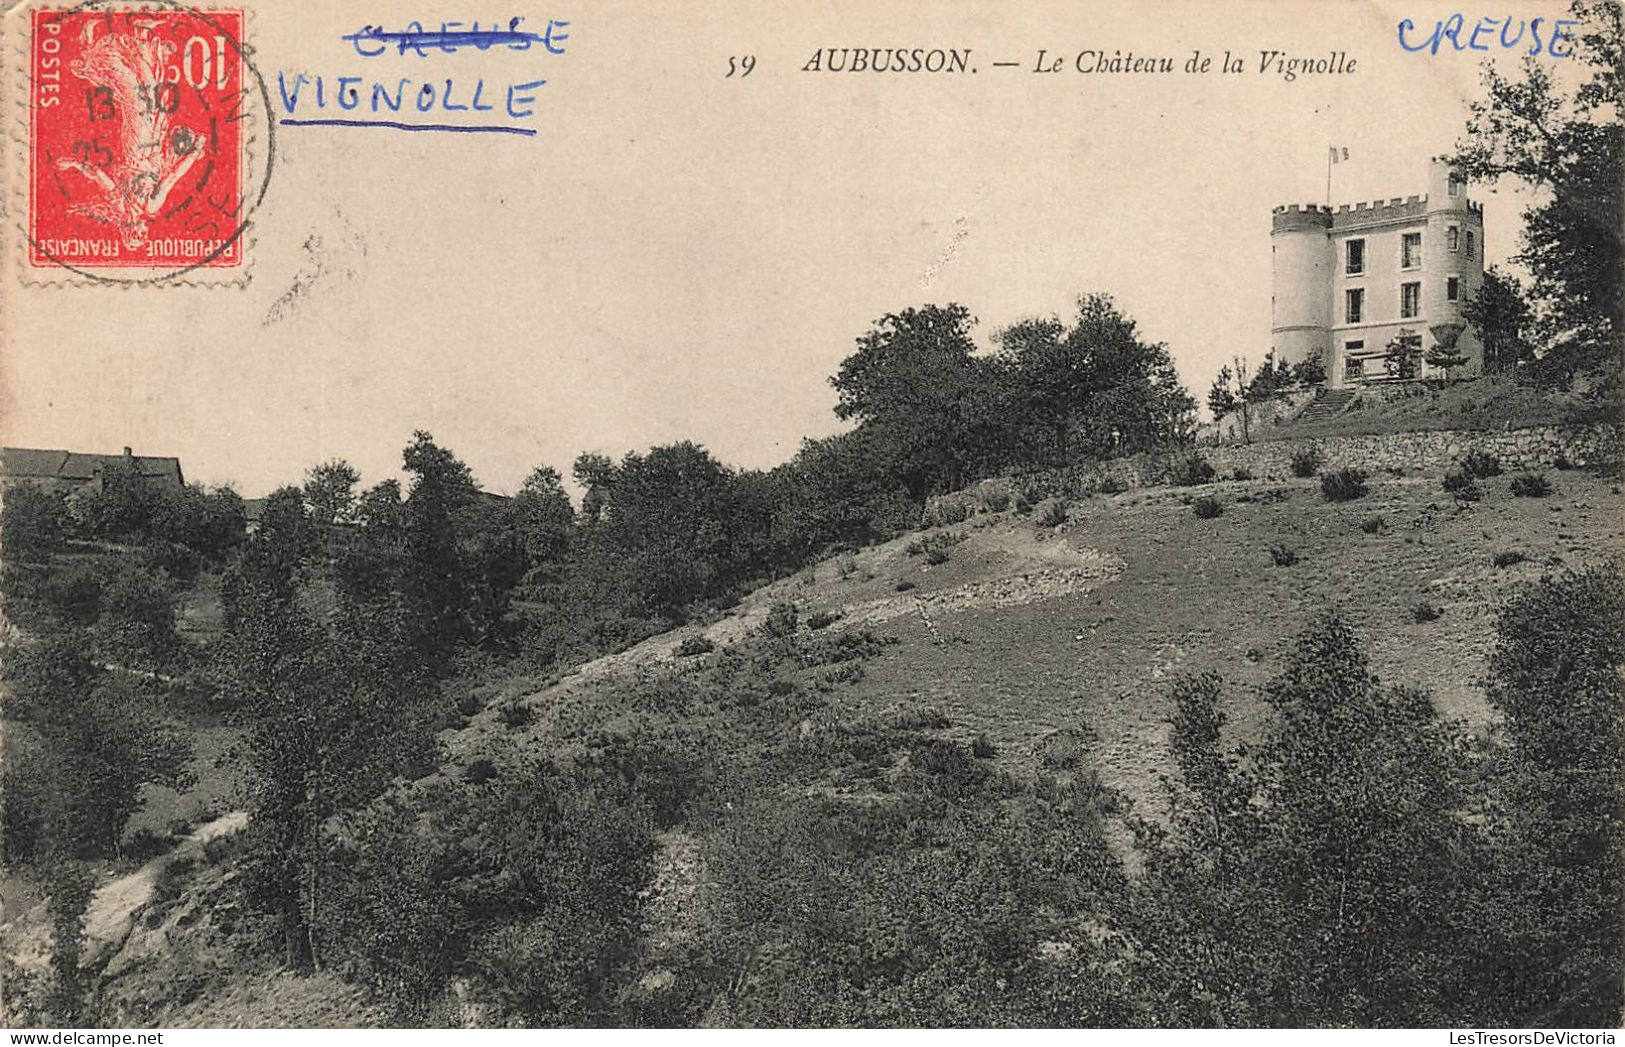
1530,485
1344,485
1189,470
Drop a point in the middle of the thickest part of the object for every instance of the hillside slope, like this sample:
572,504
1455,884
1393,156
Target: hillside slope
1027,629
1021,632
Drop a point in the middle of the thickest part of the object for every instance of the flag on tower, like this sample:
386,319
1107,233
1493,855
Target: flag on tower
1339,159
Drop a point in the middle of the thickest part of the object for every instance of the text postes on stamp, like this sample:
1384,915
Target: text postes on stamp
138,125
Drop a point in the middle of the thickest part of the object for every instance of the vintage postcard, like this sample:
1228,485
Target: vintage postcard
849,515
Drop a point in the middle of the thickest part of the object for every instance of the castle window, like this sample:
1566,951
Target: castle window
1410,301
1452,238
1455,185
1469,243
1410,250
1354,258
1452,288
1353,305
1353,370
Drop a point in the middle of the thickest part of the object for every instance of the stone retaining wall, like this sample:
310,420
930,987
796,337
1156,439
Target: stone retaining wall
1428,452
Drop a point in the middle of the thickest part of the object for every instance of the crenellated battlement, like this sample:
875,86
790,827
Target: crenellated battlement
1378,212
1295,217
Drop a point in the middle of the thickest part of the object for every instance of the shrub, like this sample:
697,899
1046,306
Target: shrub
1306,462
935,547
1189,470
1479,465
470,703
904,586
1461,485
1283,556
822,619
481,770
1023,507
995,500
982,748
946,513
1207,507
694,646
1110,484
781,621
1054,514
1562,463
1509,557
1531,485
1425,612
143,845
515,715
1344,485
1241,474
1373,525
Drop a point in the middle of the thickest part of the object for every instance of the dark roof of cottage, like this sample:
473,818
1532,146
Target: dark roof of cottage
36,464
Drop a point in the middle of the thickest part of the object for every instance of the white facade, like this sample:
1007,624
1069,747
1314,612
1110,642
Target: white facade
1350,282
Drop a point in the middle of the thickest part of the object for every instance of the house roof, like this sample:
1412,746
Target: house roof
38,464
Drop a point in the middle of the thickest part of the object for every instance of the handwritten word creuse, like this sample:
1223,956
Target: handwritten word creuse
1490,34
370,41
425,101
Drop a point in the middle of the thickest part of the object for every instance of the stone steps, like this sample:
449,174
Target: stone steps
1327,404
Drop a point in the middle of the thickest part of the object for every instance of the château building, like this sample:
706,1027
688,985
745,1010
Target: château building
1354,280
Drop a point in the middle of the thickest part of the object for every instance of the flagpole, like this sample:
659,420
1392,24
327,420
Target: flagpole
1331,151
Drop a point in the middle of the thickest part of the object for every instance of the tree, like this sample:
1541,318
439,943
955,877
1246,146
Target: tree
1403,355
670,526
101,742
81,743
1569,147
1230,394
912,380
1310,371
136,629
1273,380
33,523
834,492
435,586
545,516
1445,358
1316,878
332,714
330,491
1554,951
1095,387
120,505
1499,313
596,475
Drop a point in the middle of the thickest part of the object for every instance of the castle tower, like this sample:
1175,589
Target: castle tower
1301,260
1453,267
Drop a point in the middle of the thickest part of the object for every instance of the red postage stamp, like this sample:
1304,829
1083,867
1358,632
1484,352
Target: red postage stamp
136,139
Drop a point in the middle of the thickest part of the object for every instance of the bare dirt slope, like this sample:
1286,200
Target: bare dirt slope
1026,629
